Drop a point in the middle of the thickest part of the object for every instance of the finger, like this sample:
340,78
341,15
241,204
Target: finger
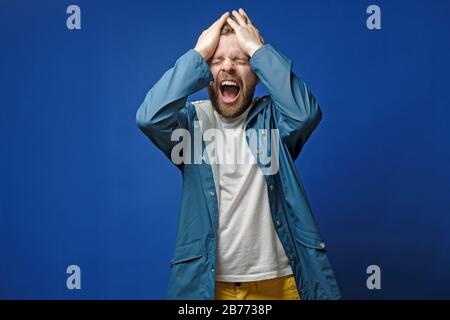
244,14
261,39
258,34
239,18
223,19
220,21
233,24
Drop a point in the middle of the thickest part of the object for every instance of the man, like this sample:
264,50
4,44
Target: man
246,229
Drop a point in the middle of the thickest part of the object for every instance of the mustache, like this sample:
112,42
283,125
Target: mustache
218,81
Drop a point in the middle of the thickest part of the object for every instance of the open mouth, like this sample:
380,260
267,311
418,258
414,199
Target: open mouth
229,90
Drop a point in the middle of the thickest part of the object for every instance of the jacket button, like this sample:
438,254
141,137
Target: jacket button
278,222
322,245
211,193
212,270
271,187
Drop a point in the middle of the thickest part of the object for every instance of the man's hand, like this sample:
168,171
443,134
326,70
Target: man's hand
247,35
209,39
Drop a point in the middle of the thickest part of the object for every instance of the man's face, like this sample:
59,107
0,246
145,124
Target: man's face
234,80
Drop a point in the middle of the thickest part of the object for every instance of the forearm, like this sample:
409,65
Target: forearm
295,107
292,97
168,96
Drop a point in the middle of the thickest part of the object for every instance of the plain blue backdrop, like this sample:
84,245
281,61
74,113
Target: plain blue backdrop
80,184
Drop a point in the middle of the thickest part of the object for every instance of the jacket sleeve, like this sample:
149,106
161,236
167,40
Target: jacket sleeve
296,110
163,109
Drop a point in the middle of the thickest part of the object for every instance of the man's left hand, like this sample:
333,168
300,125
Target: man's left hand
247,35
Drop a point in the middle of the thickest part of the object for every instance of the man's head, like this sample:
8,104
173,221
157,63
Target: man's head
234,80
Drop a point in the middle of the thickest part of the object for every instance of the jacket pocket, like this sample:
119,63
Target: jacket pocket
186,253
309,239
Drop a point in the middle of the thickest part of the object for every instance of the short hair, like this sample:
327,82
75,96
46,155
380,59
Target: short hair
226,29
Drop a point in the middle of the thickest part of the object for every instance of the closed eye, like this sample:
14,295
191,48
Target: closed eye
216,60
241,61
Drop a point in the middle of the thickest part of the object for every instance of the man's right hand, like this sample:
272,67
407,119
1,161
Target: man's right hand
209,39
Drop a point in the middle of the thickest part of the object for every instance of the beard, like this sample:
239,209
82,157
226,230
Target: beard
236,108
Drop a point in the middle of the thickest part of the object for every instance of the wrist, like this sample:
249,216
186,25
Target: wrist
201,52
253,49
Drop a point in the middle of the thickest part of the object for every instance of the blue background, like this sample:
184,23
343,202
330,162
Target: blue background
79,183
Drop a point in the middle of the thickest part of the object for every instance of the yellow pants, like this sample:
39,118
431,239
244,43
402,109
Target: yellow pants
281,288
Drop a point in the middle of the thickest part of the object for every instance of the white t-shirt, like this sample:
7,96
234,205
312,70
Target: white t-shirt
248,247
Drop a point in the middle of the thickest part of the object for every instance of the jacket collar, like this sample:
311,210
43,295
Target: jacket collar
257,105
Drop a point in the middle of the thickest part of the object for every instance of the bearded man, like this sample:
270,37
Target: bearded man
246,230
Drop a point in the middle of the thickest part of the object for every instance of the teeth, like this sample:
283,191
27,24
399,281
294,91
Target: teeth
229,83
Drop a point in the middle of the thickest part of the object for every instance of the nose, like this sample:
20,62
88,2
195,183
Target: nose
228,66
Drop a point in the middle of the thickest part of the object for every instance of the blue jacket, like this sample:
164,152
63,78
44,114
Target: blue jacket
292,109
